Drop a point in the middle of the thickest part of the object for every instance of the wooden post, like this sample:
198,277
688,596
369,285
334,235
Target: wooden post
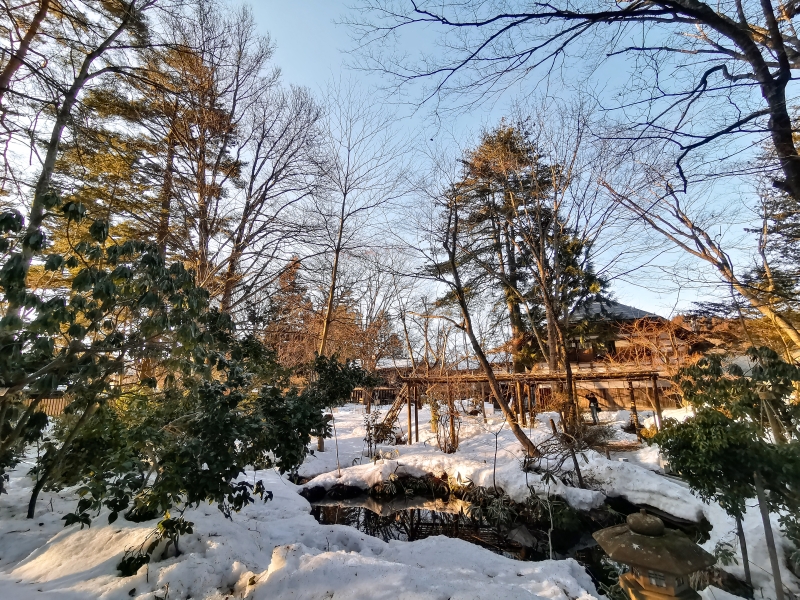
483,403
634,414
576,406
416,414
532,389
773,554
368,398
577,467
451,409
553,427
657,401
408,403
520,406
434,404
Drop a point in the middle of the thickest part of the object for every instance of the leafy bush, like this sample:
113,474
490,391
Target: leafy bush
167,403
744,424
188,443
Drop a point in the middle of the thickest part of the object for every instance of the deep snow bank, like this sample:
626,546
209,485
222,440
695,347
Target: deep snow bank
269,550
277,550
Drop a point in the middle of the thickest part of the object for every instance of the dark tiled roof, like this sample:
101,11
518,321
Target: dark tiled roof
610,311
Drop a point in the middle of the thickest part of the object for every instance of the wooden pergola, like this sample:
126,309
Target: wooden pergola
529,383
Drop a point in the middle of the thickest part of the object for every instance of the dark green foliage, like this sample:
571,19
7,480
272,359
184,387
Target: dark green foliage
744,423
188,443
748,396
131,562
715,455
613,571
106,306
168,405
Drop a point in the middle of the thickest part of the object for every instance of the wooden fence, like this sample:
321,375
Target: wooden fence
52,407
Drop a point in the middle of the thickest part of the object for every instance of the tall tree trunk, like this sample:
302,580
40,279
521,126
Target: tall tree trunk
337,250
743,546
527,444
773,553
552,336
38,206
517,333
165,195
530,448
782,131
12,438
203,214
458,288
230,277
512,301
509,278
18,58
326,323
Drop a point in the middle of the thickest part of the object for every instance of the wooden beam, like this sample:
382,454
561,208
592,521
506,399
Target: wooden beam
451,409
408,403
416,414
657,402
556,377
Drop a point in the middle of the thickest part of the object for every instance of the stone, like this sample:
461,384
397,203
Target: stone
313,494
645,524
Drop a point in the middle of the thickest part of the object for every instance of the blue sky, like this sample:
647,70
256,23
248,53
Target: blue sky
309,44
311,49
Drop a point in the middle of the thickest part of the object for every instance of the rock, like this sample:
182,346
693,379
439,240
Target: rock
522,536
313,494
343,492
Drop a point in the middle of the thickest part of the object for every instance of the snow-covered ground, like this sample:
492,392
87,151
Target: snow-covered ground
277,549
635,475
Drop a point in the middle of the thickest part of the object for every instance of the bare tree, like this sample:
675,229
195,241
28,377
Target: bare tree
688,225
704,76
362,174
281,166
225,79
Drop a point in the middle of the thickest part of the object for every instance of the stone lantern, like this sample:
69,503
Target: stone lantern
660,559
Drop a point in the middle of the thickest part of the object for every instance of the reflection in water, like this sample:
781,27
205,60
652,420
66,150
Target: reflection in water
409,519
418,518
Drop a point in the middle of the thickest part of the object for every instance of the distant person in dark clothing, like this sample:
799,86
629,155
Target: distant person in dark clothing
594,406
